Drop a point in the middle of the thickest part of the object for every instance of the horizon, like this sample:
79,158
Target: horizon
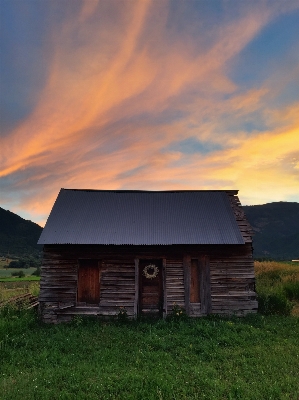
148,95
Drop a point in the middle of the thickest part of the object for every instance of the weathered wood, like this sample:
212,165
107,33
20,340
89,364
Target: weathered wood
175,276
229,273
26,301
207,285
194,309
194,282
186,266
164,288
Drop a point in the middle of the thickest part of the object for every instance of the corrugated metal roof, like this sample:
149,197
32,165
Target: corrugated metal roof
141,218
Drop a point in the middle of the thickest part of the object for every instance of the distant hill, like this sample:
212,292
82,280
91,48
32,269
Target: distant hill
276,227
18,236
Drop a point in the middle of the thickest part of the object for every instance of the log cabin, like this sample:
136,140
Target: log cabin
106,251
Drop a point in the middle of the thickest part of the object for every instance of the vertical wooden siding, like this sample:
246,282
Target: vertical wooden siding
175,284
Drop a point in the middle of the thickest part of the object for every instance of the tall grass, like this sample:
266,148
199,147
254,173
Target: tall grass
277,286
11,289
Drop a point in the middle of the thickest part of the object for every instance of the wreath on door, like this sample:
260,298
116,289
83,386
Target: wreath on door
150,271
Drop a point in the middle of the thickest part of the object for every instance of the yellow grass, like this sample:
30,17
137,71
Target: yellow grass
12,289
285,268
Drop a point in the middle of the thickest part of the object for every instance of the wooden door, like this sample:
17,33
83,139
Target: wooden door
89,281
150,287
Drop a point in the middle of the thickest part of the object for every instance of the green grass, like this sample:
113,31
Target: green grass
6,273
214,358
256,357
277,286
28,278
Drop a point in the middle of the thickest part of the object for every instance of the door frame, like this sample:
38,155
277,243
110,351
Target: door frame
204,307
162,262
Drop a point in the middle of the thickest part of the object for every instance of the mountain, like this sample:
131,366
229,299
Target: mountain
18,237
276,228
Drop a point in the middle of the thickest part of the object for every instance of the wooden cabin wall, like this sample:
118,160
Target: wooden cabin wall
233,283
226,281
58,285
117,288
231,279
59,280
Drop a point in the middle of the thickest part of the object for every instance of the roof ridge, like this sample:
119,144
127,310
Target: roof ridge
232,191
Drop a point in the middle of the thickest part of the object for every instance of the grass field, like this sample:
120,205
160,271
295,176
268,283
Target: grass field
6,273
256,357
209,358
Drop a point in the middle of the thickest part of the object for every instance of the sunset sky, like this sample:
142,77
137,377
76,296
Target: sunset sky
152,95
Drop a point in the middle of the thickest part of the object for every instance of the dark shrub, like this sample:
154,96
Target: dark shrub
14,264
291,290
36,272
19,274
274,303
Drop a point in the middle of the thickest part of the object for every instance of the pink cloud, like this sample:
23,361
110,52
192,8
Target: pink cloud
119,93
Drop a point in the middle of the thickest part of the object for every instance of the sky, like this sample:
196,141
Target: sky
148,95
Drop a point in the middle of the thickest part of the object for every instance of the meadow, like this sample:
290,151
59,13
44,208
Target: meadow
6,273
12,287
27,270
277,285
256,357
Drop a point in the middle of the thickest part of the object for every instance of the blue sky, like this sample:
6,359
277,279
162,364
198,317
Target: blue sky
131,94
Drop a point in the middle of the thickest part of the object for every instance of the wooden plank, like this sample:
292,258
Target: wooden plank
207,283
195,309
205,289
164,287
194,282
187,279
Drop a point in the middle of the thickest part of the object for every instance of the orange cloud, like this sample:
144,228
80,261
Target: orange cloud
119,93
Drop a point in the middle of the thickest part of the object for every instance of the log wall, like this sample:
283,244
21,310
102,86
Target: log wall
232,285
244,226
227,283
